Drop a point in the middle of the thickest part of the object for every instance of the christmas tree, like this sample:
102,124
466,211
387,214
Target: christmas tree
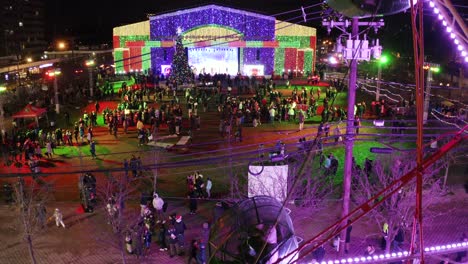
180,69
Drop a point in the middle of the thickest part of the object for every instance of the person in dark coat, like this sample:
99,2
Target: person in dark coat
171,237
193,202
319,253
162,236
193,251
180,230
348,237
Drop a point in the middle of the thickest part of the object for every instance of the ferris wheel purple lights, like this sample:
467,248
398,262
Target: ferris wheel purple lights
459,39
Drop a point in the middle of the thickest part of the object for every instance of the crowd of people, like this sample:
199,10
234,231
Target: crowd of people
149,108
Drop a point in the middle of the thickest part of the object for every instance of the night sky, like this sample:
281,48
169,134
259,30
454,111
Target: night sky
98,17
91,21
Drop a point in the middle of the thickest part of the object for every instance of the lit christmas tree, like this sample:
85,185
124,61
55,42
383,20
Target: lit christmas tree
180,69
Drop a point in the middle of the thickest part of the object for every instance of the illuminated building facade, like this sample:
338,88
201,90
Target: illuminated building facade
217,40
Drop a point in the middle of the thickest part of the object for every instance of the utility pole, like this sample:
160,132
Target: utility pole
349,138
418,47
91,91
355,50
379,79
2,114
57,104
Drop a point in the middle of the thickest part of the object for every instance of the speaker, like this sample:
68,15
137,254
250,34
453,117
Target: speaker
165,54
258,54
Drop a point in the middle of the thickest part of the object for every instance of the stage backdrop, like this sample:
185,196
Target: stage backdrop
264,45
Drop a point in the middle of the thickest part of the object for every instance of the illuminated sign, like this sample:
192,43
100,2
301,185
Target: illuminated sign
254,70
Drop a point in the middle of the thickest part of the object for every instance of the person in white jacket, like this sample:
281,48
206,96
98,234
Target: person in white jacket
209,185
58,217
158,204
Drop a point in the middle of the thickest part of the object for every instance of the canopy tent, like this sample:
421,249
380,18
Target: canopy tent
30,111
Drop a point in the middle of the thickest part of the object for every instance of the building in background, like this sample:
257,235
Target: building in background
22,28
217,40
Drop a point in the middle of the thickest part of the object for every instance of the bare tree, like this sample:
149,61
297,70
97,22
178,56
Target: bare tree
395,212
305,183
30,202
114,191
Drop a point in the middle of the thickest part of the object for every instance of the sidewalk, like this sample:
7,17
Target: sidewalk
85,241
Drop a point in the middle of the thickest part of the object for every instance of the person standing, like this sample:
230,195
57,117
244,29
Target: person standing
162,236
41,214
171,236
337,133
201,252
193,251
291,113
193,203
49,149
97,107
357,124
180,228
320,130
327,164
92,149
319,253
158,203
301,120
348,236
58,218
209,185
272,113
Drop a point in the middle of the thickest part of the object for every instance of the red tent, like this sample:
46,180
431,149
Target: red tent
30,111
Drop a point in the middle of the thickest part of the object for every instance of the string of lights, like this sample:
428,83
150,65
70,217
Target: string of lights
459,40
446,122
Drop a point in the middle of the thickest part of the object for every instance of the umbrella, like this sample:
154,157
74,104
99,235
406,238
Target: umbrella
447,103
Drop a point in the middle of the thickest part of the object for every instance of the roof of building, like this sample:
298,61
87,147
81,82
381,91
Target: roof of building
217,7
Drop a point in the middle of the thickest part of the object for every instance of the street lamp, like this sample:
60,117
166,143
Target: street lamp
29,59
380,62
61,45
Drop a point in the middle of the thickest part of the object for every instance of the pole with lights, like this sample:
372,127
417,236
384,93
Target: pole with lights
2,112
54,74
380,62
355,50
90,64
454,25
431,68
